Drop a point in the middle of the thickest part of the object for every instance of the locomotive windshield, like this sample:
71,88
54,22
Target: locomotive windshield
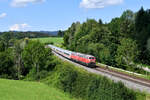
91,58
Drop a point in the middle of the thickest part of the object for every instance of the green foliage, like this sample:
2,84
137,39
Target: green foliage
7,69
142,34
67,78
26,58
126,53
91,35
104,55
128,15
114,27
60,33
82,84
69,35
6,37
2,46
36,56
106,41
17,54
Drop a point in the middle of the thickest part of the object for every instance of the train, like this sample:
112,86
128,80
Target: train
88,60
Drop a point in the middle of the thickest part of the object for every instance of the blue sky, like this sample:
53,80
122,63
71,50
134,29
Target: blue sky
50,15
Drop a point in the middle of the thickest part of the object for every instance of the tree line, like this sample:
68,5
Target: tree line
123,42
24,58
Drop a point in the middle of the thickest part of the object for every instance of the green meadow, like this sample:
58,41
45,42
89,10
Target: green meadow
55,40
22,90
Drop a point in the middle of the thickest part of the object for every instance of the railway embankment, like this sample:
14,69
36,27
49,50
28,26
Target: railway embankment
81,83
89,86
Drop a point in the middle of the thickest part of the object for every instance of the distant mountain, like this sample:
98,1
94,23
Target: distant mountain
1,33
52,33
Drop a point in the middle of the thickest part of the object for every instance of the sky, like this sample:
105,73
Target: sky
52,15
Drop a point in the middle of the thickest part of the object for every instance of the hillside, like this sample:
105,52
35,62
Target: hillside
21,90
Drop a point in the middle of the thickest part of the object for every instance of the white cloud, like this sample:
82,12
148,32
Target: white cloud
23,3
15,27
19,27
24,25
99,3
3,15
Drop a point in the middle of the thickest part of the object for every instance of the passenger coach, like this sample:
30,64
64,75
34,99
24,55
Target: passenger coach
87,60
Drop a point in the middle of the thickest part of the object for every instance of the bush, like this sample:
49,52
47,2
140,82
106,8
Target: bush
47,43
89,86
81,84
7,69
67,78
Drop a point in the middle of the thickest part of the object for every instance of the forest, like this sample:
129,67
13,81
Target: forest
124,42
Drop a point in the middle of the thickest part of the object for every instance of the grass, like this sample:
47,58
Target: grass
55,40
22,90
147,96
144,65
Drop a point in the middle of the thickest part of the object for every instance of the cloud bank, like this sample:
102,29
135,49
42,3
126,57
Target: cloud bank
99,3
19,27
24,3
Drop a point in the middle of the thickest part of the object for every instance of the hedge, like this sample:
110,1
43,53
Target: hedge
88,86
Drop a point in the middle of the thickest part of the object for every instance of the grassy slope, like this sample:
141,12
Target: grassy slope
56,40
21,90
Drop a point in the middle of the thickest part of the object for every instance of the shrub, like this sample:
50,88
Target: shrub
7,69
82,84
67,78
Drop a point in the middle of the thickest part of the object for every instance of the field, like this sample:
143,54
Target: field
55,40
22,90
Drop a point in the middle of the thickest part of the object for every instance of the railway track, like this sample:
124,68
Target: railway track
135,79
132,82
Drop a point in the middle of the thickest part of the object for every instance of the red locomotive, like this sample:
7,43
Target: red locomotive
84,59
87,60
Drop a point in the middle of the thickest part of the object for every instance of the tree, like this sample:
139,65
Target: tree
69,37
128,15
17,51
100,35
6,65
100,21
114,27
100,51
6,37
60,33
127,53
2,46
142,29
36,56
127,28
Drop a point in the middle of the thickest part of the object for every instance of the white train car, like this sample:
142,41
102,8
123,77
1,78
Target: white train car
61,51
